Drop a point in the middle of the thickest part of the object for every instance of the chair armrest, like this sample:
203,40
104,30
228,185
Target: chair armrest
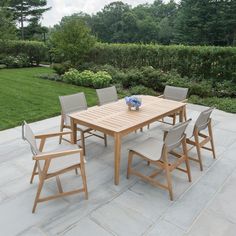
184,101
52,155
49,135
161,96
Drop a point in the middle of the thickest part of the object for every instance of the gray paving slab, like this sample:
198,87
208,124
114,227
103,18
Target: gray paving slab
206,206
164,228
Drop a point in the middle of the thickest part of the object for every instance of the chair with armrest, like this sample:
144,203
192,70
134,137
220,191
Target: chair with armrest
52,164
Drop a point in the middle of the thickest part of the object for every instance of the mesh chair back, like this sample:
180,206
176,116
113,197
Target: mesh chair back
107,95
203,119
72,103
28,135
175,135
175,93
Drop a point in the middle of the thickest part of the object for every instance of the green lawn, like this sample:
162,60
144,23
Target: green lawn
24,96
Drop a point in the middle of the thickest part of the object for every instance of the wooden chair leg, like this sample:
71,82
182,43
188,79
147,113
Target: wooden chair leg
169,182
33,173
76,171
187,161
105,140
82,142
185,114
211,140
59,184
130,158
83,175
198,150
40,186
61,130
174,119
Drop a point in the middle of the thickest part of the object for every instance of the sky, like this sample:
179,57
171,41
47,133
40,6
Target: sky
62,8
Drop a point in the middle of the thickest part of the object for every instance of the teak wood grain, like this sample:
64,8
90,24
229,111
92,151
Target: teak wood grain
115,119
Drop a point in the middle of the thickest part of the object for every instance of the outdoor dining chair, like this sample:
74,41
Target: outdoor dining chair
176,94
52,164
107,95
157,153
197,139
75,103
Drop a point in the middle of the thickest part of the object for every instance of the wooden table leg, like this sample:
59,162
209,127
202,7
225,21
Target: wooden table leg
117,144
181,114
74,131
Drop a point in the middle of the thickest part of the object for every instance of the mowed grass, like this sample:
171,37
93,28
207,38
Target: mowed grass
24,96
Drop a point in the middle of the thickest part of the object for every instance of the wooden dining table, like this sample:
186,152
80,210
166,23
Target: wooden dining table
116,120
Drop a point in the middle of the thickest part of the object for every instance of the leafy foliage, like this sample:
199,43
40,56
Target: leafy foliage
71,39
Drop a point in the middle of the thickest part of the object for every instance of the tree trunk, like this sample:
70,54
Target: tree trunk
22,22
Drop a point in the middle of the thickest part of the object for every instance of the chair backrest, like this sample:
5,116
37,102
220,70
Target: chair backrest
28,135
203,119
175,93
175,135
72,103
107,95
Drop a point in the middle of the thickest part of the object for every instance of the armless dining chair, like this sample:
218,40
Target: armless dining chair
197,139
175,94
107,95
71,104
157,154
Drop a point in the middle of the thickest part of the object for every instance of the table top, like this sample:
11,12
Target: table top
116,117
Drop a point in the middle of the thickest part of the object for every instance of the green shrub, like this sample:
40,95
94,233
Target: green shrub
54,77
142,90
35,51
225,104
2,66
87,78
61,68
225,88
101,79
71,76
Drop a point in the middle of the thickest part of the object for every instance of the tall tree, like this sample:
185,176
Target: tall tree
27,11
7,25
71,39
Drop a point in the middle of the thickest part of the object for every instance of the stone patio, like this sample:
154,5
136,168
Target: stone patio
207,206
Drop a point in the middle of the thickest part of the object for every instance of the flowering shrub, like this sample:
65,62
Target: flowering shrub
87,78
16,61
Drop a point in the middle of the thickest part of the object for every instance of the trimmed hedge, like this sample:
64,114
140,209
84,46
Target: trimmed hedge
207,62
35,51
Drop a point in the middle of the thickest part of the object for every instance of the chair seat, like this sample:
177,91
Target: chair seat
151,148
62,162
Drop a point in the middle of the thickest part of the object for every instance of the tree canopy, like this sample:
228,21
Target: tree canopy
29,11
71,39
194,22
